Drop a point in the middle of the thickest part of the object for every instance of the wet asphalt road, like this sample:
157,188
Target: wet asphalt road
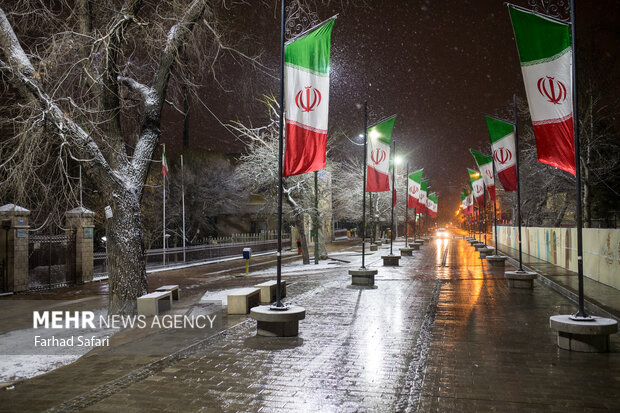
441,332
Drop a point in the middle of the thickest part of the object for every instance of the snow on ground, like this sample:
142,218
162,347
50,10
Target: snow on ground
21,359
288,268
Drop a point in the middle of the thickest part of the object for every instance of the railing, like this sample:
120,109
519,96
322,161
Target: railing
220,247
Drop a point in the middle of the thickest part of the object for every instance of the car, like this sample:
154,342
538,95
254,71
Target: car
442,233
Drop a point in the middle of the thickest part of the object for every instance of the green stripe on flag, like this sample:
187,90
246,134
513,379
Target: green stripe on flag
538,38
383,131
311,51
473,175
424,185
498,128
416,176
481,159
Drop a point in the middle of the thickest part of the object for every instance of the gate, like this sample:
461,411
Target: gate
3,277
51,261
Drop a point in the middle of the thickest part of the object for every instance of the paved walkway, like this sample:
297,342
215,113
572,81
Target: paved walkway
601,299
442,332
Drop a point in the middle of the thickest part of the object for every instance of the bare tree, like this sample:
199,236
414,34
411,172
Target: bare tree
258,173
92,80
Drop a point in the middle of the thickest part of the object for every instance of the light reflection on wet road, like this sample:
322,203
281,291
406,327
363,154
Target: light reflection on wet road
436,330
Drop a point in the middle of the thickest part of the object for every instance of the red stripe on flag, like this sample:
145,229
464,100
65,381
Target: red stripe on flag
412,202
555,144
480,200
491,190
376,181
305,150
508,178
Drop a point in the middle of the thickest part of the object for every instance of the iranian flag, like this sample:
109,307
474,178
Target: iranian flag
432,205
306,94
545,54
378,156
423,197
164,162
470,203
477,185
502,137
470,198
414,180
485,166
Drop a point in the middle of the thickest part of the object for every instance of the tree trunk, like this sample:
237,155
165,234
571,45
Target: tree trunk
126,260
301,229
322,244
560,216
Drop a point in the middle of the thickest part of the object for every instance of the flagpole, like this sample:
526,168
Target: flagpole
364,185
495,212
278,305
581,314
484,213
81,204
316,217
183,203
372,240
406,205
516,129
393,188
164,223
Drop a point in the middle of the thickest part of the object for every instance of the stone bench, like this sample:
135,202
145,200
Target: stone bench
154,303
373,247
174,290
586,336
241,301
268,291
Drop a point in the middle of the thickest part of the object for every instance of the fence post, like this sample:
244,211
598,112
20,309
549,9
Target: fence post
14,247
80,221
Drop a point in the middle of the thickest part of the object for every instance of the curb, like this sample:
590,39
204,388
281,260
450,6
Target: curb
564,291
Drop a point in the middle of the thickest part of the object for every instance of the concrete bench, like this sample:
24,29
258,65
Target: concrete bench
268,291
174,290
154,303
242,300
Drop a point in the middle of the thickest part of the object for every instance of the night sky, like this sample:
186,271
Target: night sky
438,65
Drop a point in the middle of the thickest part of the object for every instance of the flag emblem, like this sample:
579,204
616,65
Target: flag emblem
552,89
312,94
502,155
377,156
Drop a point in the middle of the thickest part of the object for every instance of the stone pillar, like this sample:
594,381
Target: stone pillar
14,246
80,221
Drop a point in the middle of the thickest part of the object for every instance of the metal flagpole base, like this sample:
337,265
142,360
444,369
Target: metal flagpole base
591,336
581,317
278,307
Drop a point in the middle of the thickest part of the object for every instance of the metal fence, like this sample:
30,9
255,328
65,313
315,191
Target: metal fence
219,247
51,261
